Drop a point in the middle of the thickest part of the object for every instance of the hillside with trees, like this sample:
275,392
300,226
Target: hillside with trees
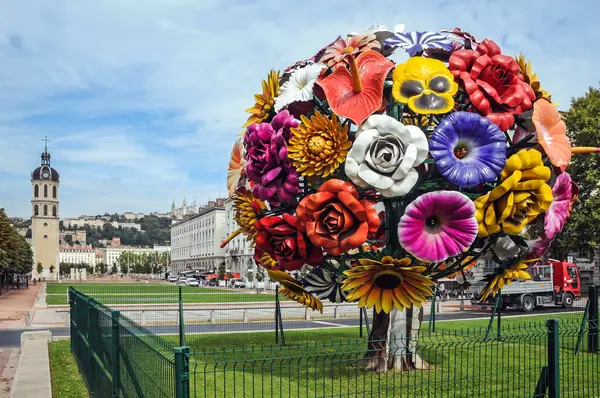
155,231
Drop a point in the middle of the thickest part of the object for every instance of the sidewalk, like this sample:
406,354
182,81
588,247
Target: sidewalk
16,304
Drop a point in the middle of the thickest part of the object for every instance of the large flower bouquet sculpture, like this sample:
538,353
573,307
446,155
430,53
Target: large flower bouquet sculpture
383,177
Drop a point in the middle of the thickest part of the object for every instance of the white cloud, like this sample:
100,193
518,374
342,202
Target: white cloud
143,102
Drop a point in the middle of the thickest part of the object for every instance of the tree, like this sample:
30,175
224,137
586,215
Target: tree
260,274
250,275
69,239
221,271
582,120
9,243
101,268
39,268
52,268
114,269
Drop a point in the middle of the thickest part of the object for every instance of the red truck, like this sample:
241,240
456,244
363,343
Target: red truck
557,283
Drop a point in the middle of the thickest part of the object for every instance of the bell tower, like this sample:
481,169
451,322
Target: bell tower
44,216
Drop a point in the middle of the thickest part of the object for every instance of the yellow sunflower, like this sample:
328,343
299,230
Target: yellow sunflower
387,284
319,145
293,290
246,208
265,101
531,78
504,277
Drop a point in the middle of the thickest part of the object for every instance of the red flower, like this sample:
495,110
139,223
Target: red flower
336,219
357,93
285,240
494,83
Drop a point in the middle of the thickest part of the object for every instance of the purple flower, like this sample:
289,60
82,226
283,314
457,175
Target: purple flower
438,225
416,42
468,149
275,179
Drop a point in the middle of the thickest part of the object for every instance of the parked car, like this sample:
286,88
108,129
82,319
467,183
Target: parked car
182,280
212,282
192,282
238,283
172,279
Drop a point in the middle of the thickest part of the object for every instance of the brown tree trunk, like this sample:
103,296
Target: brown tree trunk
393,342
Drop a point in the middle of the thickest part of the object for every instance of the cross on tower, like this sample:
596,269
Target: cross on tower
46,143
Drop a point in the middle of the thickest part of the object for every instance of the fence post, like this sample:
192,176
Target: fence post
182,372
499,324
276,314
116,354
553,359
92,338
181,325
361,321
593,320
431,325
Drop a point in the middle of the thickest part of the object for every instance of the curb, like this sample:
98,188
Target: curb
32,377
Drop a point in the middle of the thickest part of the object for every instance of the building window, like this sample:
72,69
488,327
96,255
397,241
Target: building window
45,208
36,191
54,192
45,224
36,210
45,191
54,210
45,236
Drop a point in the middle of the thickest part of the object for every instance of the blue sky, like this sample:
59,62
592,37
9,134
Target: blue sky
143,99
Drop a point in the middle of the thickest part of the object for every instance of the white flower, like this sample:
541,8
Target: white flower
299,86
385,154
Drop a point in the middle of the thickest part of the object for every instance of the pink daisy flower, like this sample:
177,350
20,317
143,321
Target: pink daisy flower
337,54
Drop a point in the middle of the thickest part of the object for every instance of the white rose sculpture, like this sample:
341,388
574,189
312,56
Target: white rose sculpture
385,155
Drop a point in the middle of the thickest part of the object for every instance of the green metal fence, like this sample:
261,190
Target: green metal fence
530,360
119,358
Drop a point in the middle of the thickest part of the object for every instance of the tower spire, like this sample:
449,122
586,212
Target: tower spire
46,143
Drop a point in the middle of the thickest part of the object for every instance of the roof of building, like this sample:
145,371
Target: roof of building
38,174
200,214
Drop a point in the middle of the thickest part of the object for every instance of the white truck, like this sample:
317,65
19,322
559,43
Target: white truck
556,283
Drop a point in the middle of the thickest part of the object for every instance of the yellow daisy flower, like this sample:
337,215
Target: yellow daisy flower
293,290
319,145
265,101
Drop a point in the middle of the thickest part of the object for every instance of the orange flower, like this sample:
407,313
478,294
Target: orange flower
336,219
358,92
552,133
236,167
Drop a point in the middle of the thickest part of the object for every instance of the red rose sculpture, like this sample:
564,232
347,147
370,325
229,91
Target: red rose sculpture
285,240
336,219
494,83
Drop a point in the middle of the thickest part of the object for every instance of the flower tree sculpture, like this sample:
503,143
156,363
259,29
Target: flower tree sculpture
384,177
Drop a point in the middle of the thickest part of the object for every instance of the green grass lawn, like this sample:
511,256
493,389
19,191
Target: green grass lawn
144,293
66,379
165,288
322,363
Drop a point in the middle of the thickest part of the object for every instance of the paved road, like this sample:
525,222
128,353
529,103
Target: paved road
10,337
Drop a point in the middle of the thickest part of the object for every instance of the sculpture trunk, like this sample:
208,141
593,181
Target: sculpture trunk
393,341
